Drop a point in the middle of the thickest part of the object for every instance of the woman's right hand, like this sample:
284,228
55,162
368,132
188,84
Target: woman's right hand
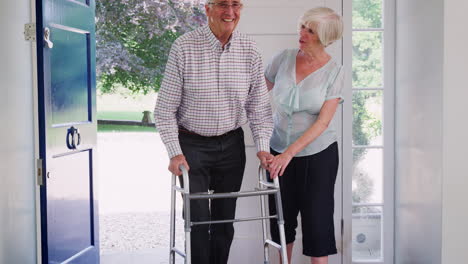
278,165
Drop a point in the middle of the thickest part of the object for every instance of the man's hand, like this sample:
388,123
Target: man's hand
265,158
175,163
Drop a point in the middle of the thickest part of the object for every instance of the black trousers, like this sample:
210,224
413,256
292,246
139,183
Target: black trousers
307,187
216,163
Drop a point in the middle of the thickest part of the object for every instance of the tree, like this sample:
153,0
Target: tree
133,39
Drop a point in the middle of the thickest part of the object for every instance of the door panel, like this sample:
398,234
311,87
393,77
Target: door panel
67,120
69,209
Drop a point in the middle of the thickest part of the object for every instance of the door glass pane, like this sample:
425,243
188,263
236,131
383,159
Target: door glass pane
367,59
367,233
367,13
70,76
367,175
367,117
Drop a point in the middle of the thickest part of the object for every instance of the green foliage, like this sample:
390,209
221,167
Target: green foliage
152,53
367,13
366,125
364,185
367,59
133,39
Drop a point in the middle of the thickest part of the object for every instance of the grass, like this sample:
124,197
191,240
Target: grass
120,115
122,128
124,106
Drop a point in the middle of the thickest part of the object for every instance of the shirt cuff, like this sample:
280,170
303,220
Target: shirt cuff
263,144
173,149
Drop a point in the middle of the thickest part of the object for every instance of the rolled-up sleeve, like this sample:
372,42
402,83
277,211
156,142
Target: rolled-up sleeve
168,101
272,68
335,87
258,106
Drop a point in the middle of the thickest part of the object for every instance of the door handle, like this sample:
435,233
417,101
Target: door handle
47,41
76,139
73,138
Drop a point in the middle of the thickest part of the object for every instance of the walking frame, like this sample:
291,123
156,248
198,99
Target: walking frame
264,188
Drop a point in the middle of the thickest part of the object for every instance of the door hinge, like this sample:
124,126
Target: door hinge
30,32
342,226
40,173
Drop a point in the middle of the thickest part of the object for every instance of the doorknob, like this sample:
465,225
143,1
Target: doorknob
76,138
73,138
47,41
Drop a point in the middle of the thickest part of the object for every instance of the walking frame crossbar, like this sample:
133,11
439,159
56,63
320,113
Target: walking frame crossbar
198,196
182,254
264,188
271,242
233,220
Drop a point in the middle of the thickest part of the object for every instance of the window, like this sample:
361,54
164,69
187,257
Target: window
372,132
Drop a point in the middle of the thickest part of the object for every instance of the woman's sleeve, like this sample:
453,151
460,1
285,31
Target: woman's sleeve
272,68
335,88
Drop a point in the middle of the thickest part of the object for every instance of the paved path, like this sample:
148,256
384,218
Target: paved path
134,198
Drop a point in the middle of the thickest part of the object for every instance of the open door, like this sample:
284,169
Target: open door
67,130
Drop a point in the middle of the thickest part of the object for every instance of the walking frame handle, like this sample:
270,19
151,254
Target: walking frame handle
185,179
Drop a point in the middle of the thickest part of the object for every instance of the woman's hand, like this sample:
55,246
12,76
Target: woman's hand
279,164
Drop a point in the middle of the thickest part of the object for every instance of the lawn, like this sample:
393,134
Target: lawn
124,106
120,115
122,128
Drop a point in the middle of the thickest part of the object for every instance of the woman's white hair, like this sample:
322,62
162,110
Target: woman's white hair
325,22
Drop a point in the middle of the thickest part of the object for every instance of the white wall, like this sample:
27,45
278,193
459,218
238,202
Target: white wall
17,190
418,131
455,136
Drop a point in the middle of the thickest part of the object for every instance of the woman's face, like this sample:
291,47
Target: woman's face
308,37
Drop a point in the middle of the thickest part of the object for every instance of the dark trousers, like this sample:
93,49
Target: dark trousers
216,163
308,187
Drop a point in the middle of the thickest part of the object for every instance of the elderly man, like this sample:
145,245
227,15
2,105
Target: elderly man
213,84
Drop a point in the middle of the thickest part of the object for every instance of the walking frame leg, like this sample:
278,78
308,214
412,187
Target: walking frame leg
188,250
279,210
266,253
172,223
187,220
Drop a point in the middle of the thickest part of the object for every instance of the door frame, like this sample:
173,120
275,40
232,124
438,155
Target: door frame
347,126
37,139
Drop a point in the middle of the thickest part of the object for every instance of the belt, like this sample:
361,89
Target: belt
188,132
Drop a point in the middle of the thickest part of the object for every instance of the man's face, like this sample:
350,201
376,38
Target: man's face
223,15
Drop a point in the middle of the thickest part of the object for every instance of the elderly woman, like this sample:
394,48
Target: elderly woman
306,85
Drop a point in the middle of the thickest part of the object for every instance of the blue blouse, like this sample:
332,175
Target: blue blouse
297,106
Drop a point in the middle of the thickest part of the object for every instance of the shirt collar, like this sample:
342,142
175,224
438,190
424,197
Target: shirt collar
214,43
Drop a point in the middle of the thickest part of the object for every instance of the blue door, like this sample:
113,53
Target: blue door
67,127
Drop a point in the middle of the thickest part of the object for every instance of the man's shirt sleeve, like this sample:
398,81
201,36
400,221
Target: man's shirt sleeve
169,98
258,106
